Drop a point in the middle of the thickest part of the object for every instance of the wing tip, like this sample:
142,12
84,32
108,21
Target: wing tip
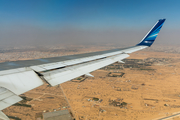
150,37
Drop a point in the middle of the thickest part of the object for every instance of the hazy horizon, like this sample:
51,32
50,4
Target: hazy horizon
43,22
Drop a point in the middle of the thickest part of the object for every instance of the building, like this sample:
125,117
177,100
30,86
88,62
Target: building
58,115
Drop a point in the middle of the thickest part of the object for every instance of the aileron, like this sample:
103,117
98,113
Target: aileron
62,75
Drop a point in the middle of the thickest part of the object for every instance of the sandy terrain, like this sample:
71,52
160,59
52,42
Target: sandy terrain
149,94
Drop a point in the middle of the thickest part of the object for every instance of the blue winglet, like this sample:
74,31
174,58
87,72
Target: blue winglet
152,34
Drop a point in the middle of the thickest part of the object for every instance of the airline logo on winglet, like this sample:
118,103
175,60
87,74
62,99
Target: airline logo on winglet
150,37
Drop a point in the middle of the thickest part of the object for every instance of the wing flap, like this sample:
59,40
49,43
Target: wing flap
20,82
3,116
9,101
62,75
4,93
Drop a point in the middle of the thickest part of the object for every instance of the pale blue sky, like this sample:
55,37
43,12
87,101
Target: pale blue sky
75,21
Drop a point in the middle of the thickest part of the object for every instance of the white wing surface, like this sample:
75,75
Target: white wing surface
18,77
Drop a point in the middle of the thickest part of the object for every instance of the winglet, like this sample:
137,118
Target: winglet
150,37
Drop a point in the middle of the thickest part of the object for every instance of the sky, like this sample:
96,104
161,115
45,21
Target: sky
51,22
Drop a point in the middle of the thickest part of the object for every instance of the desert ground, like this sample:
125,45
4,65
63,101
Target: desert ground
149,91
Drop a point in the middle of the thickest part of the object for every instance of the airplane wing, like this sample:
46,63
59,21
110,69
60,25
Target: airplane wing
18,77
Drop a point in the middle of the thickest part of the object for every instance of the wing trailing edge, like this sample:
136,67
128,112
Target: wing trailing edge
3,116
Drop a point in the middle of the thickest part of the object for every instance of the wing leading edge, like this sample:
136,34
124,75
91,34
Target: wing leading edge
21,76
